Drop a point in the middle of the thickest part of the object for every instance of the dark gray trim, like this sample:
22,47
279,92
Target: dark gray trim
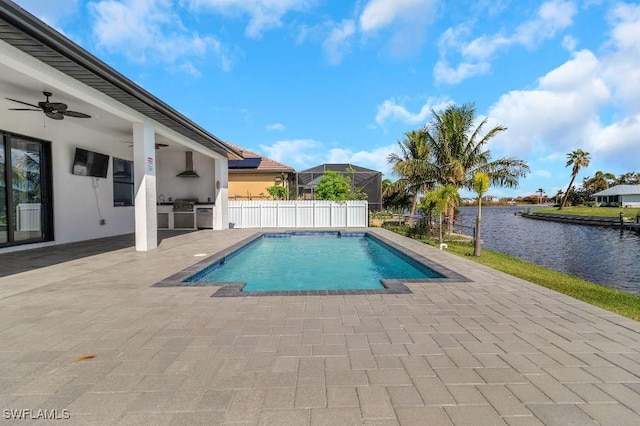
27,33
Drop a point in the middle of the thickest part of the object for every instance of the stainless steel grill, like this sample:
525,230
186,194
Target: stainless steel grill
184,204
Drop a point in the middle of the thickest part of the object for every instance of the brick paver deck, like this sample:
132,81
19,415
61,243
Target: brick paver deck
496,350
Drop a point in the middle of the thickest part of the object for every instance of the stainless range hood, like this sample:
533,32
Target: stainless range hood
188,173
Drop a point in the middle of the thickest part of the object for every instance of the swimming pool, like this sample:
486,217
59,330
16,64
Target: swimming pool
296,265
314,261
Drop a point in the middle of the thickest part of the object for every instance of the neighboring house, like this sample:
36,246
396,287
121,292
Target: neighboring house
250,177
491,199
81,162
369,180
625,195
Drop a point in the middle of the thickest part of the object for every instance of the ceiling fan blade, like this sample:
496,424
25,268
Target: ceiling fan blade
55,115
24,109
23,103
57,106
75,114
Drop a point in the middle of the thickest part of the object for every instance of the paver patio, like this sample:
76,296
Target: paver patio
496,350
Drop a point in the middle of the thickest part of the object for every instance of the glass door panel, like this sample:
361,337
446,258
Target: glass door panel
4,237
26,184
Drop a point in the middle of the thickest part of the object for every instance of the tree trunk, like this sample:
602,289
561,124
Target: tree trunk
566,195
476,243
451,211
414,203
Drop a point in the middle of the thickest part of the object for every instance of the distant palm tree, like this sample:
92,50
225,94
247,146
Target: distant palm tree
459,151
558,196
577,159
413,166
541,192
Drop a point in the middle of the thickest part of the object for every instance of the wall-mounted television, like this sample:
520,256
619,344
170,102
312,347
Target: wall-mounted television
89,163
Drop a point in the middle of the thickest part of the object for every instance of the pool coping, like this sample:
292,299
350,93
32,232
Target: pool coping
234,288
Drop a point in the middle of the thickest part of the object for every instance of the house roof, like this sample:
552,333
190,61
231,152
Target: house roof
254,162
619,190
338,167
29,34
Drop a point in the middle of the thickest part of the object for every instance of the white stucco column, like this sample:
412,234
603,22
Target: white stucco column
144,160
222,194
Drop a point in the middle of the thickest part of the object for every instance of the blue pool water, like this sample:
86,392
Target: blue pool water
281,262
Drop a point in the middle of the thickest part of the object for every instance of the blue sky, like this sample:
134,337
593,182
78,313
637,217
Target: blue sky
311,81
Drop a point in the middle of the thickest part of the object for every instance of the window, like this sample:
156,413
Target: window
123,186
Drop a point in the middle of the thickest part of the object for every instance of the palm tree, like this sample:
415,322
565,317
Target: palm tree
599,182
480,186
557,197
395,195
540,191
413,167
459,151
442,200
577,159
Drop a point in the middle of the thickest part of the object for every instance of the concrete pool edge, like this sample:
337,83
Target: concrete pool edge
234,289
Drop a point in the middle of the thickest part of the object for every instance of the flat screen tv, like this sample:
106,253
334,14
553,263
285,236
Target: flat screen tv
89,163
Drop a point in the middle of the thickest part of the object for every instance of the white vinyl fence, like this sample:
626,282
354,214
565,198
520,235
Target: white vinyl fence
298,214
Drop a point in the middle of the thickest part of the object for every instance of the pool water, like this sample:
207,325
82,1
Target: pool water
282,262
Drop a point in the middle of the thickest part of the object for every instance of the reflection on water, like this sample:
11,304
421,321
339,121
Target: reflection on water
603,255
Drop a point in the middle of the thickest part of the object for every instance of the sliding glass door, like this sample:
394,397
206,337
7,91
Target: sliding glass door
25,197
4,233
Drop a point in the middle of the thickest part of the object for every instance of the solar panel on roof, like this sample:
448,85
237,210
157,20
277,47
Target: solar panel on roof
247,163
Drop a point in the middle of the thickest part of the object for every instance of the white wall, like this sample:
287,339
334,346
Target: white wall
630,200
76,215
75,210
169,164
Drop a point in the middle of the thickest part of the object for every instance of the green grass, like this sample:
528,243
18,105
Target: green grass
592,211
625,304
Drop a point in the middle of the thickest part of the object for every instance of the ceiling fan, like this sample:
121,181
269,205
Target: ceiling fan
54,110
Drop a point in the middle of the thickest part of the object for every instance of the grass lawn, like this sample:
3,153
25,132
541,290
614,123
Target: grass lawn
591,211
610,299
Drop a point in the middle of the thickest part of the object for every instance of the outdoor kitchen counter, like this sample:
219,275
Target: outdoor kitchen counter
166,215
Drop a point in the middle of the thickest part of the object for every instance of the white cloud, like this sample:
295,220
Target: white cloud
446,74
337,42
190,69
561,113
375,159
392,110
588,102
276,126
542,173
51,12
553,16
264,14
406,20
306,153
298,153
150,30
622,65
570,43
378,14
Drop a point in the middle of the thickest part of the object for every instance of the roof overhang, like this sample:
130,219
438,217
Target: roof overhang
33,37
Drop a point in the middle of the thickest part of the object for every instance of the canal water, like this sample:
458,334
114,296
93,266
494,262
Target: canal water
603,255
